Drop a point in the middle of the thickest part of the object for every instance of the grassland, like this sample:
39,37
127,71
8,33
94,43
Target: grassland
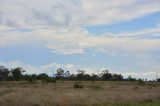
62,93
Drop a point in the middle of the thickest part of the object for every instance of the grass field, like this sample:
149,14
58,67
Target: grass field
62,93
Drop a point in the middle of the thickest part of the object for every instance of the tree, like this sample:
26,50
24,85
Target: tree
43,77
31,78
17,73
67,75
72,77
80,74
117,77
94,77
59,74
4,73
87,77
131,79
106,75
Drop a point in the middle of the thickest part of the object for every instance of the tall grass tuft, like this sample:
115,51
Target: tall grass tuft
77,85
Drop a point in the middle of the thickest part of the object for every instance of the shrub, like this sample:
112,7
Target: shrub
77,85
140,82
30,80
50,80
53,81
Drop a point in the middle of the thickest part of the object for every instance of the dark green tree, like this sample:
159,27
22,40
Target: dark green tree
17,73
94,77
117,77
80,74
131,79
4,73
43,77
60,74
67,75
106,75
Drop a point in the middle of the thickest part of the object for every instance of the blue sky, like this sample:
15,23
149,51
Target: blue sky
123,37
145,22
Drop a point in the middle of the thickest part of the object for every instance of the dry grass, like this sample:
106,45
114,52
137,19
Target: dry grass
93,94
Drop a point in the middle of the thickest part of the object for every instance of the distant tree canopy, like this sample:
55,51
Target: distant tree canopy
4,73
17,74
60,73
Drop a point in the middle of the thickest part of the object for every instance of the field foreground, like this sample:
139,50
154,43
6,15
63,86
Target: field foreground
62,93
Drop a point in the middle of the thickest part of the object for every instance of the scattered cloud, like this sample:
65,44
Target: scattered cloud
78,40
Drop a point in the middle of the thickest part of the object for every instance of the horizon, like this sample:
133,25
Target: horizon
42,36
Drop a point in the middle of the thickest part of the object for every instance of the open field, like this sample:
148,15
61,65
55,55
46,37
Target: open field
100,93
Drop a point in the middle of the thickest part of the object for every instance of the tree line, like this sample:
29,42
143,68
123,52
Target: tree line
17,74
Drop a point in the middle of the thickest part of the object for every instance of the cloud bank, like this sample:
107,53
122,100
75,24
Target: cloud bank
60,25
56,13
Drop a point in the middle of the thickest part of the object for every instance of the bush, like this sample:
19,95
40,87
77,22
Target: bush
30,79
77,85
53,81
141,82
50,80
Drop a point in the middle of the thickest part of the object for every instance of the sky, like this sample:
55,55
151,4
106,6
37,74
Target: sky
122,36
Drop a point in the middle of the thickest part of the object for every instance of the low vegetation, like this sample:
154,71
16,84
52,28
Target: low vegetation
77,85
84,93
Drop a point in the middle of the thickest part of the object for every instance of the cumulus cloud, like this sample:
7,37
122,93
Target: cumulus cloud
14,64
48,68
142,75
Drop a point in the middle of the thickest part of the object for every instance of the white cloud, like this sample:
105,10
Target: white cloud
48,68
56,13
143,75
142,33
29,68
105,11
51,68
59,25
78,40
